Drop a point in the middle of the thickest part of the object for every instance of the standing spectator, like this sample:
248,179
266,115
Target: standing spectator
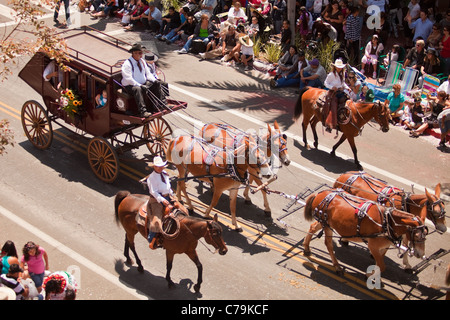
445,22
152,18
303,23
334,16
411,15
286,35
278,15
35,261
317,8
8,256
353,34
394,7
56,13
11,280
422,26
444,46
379,3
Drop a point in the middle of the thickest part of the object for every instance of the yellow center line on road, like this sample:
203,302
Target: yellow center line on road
248,231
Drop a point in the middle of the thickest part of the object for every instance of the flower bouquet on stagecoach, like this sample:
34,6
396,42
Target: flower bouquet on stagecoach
72,105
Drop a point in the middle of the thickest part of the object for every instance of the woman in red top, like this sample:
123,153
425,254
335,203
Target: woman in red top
445,49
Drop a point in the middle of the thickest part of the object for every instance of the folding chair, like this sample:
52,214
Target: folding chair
409,78
393,74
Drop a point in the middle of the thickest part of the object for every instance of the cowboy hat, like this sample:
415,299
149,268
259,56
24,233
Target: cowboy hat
338,64
246,41
136,47
7,294
151,57
158,162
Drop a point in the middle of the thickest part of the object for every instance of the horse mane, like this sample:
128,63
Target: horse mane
308,207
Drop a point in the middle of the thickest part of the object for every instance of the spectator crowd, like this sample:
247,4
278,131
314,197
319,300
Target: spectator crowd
367,35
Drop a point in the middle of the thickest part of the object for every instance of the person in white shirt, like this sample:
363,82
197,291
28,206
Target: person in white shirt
161,197
137,79
336,96
236,14
445,86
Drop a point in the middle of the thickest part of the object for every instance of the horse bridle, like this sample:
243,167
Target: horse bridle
434,214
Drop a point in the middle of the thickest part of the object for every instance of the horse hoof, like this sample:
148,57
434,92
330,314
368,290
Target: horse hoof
343,243
307,147
191,212
340,272
306,253
140,269
197,288
268,214
129,262
238,229
316,145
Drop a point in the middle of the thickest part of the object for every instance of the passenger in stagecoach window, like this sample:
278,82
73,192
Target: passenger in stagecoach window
138,80
101,99
161,197
53,74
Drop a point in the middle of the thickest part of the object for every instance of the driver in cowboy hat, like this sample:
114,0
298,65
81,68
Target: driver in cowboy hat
137,79
161,197
336,96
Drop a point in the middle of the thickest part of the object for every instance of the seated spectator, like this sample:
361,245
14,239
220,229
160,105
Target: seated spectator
152,18
444,125
253,29
215,42
413,118
8,256
445,86
313,75
286,63
437,105
110,7
366,94
435,37
236,14
327,31
170,21
392,55
414,58
183,32
431,65
371,54
60,285
246,54
354,85
137,14
202,31
292,77
207,7
127,11
395,101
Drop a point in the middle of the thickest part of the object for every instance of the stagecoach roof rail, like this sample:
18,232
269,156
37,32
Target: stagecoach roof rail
87,57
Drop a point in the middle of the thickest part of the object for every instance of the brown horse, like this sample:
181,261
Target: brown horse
273,143
225,169
127,206
358,219
424,206
361,113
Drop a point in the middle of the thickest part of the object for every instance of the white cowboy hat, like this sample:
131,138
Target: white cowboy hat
246,41
338,64
7,294
158,162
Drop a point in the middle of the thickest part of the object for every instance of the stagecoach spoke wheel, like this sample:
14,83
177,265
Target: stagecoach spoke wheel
103,159
36,124
158,133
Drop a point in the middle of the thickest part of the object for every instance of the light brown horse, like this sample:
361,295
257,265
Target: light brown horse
361,113
358,219
273,143
424,206
226,170
127,206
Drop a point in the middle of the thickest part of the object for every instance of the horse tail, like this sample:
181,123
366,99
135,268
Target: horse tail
117,200
308,207
298,105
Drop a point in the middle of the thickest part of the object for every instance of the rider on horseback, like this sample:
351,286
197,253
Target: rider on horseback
161,198
336,96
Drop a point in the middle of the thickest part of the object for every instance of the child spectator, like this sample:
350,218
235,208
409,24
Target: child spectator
246,55
35,261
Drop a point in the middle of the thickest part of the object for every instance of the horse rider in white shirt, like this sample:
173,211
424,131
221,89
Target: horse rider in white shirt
137,79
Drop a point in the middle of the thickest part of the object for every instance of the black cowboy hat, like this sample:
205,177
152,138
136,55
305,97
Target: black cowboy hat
136,47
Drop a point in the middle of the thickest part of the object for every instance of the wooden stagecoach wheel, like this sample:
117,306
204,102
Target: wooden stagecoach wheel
103,159
36,124
159,131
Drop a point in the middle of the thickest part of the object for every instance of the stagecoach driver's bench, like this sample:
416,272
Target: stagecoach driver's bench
137,79
161,197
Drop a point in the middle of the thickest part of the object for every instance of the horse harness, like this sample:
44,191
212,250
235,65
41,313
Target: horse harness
361,211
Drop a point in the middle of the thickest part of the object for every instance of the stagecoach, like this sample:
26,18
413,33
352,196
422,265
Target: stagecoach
85,95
